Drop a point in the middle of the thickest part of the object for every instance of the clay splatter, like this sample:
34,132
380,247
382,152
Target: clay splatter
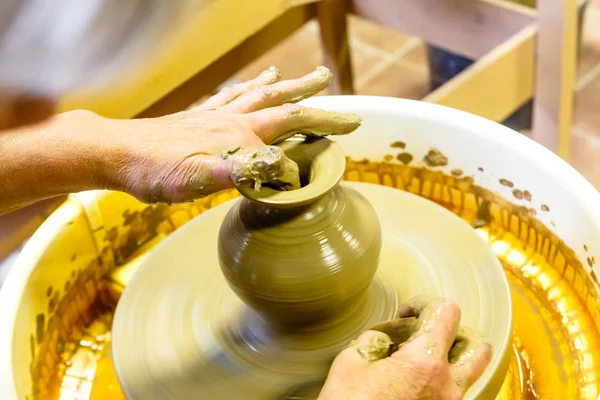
40,320
518,194
457,172
388,157
506,182
435,158
404,158
398,145
585,247
484,215
545,208
533,211
480,169
527,195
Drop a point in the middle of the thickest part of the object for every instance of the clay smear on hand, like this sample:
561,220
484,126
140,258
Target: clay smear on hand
378,348
266,165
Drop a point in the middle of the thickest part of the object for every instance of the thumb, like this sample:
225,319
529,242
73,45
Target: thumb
203,175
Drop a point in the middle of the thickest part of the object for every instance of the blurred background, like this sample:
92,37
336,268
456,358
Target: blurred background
388,62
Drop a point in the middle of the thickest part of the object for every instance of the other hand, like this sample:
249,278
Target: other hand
439,361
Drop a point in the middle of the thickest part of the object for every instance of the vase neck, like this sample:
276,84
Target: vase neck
321,164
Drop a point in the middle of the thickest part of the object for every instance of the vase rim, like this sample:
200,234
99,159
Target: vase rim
325,163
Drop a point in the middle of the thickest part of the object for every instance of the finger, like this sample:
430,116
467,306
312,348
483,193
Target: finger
288,91
438,325
469,359
370,346
415,306
276,124
225,96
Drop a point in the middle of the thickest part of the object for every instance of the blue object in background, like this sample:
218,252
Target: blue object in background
444,65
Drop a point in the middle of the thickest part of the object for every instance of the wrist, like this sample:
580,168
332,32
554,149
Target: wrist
60,156
115,159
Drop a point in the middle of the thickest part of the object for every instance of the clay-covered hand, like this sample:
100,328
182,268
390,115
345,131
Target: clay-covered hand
224,141
439,360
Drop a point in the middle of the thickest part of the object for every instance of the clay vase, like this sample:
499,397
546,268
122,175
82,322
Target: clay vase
305,257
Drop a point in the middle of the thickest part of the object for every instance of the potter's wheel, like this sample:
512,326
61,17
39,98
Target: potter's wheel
180,332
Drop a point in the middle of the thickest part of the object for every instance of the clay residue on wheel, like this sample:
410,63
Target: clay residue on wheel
399,330
267,165
398,145
506,182
404,158
435,158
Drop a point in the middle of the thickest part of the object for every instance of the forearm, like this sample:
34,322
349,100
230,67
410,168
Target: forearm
61,156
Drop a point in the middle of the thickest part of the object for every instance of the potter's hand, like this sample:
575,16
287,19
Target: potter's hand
439,361
193,153
176,158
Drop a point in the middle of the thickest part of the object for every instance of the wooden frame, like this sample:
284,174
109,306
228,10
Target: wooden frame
516,48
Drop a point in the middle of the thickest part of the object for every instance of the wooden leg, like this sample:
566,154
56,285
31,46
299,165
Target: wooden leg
332,16
556,73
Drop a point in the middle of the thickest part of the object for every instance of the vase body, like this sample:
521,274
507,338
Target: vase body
299,266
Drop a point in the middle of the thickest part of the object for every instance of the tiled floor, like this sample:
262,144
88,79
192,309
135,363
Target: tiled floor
389,63
385,62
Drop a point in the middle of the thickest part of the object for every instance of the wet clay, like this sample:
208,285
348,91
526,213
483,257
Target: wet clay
435,158
398,330
265,165
484,217
314,83
379,347
462,351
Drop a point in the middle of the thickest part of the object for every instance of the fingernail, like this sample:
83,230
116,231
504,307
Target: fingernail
353,119
323,73
271,74
323,70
